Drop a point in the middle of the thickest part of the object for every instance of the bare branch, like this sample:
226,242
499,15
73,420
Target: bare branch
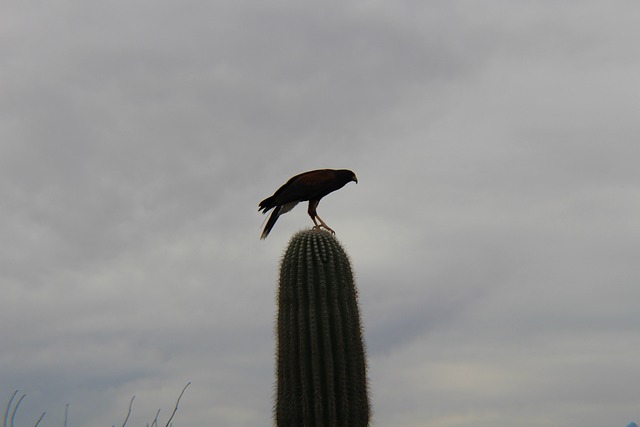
6,411
39,419
177,402
15,408
66,415
128,413
155,420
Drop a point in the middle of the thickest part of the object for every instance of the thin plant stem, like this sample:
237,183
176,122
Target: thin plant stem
15,408
128,413
6,411
39,419
177,402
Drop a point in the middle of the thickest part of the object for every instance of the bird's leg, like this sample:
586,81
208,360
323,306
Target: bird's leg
313,204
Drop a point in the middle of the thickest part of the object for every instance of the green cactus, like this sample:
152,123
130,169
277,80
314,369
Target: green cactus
321,365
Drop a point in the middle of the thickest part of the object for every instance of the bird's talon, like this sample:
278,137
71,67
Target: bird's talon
324,227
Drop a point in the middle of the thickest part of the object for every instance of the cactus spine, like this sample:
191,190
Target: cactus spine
321,365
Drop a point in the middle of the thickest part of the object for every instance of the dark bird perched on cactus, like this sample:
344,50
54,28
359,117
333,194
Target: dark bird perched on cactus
321,363
311,186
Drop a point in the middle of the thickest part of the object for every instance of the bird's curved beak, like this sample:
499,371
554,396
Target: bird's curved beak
355,179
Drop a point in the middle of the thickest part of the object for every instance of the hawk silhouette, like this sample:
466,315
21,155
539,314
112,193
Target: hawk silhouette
311,186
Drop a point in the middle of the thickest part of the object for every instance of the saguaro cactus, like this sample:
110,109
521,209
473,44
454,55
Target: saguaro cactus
321,365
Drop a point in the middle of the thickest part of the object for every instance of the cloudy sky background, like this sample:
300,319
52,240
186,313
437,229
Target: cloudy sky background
494,231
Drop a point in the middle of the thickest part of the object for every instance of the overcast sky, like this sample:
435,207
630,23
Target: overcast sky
494,231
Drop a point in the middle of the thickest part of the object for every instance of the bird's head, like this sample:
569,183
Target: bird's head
344,176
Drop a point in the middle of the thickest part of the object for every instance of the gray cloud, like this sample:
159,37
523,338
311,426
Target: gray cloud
492,231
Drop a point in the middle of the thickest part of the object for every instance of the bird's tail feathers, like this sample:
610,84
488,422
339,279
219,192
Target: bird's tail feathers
266,205
271,222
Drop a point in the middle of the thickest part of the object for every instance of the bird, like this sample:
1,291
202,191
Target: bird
312,186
